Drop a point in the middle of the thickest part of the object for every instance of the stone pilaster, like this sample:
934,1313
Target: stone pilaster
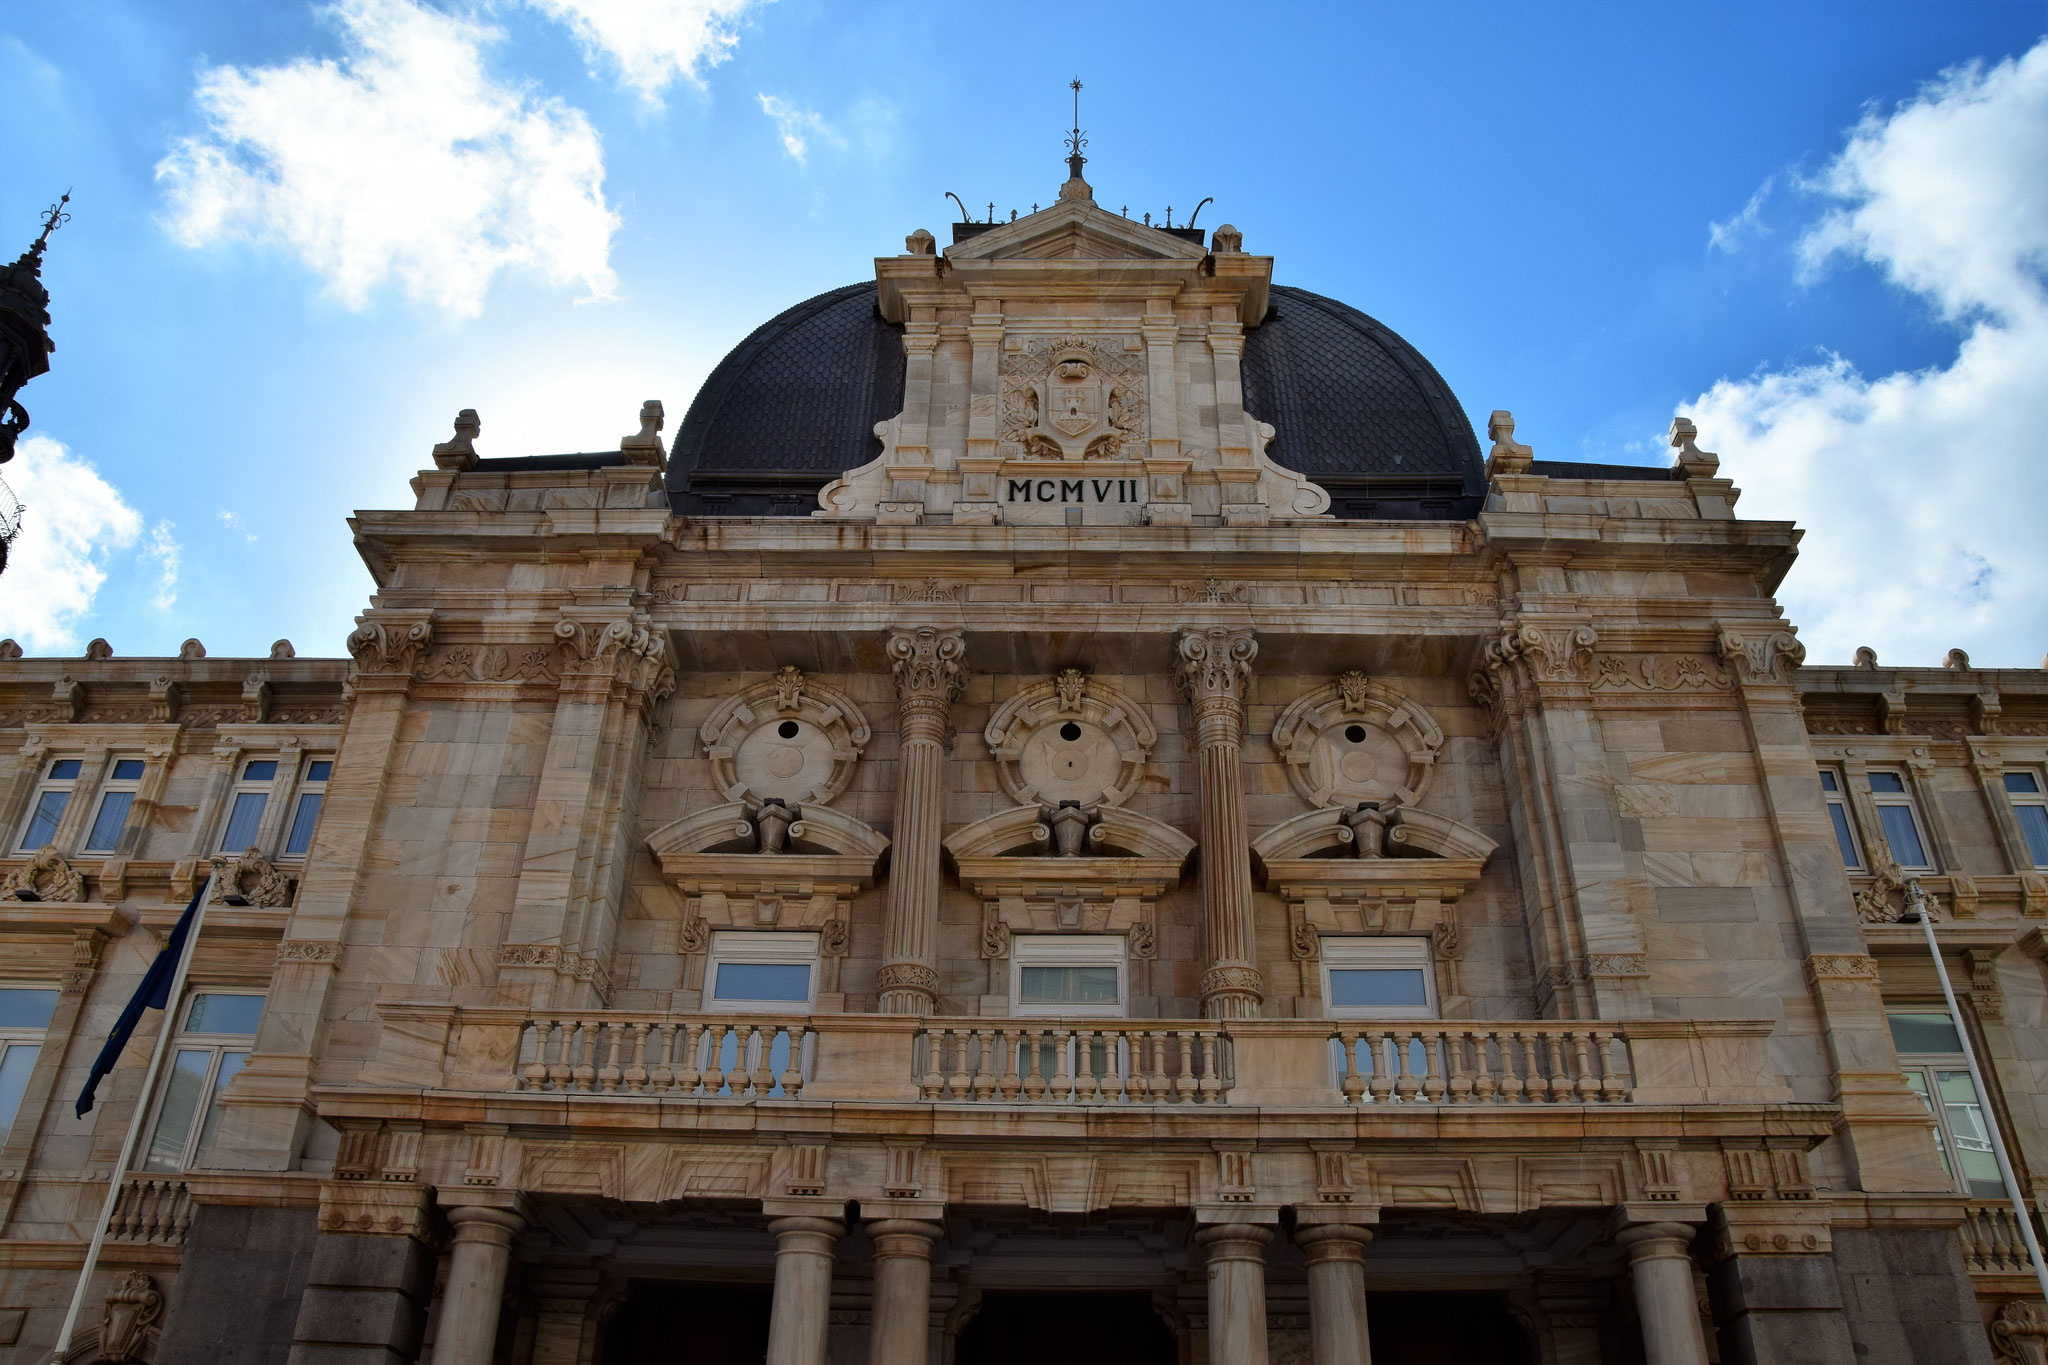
926,662
804,1248
1237,1292
899,1329
1660,1266
1214,671
1336,1292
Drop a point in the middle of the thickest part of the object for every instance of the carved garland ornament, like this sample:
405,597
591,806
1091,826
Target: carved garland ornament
252,877
1071,738
1071,398
1355,740
46,877
789,738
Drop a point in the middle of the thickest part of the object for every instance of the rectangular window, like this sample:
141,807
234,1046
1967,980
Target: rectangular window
306,809
117,795
1837,800
2030,803
46,807
245,806
1378,978
761,973
1931,1057
210,1051
24,1013
1901,822
1068,975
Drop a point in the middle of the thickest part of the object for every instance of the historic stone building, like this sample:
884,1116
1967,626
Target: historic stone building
1073,812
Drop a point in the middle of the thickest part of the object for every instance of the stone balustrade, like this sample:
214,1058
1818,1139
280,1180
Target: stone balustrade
156,1210
1307,1063
1991,1238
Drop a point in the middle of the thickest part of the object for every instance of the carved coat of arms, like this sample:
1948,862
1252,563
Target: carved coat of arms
1069,399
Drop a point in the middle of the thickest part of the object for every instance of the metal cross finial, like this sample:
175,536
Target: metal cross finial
53,220
1076,139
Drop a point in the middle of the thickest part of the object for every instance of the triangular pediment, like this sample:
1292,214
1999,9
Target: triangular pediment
1074,231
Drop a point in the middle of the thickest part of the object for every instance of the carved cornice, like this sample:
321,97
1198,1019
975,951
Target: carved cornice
1658,673
314,950
1840,967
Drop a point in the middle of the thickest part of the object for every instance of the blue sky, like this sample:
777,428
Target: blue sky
303,236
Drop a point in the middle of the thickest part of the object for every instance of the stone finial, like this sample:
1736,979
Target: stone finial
459,451
192,649
283,650
1226,240
1506,457
644,446
99,649
1866,657
9,650
1956,659
920,243
1697,463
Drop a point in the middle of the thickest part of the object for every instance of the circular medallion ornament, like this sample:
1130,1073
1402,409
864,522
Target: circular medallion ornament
790,738
1354,740
1069,739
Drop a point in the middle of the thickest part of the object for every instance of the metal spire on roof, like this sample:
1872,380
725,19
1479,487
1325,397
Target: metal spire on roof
1076,187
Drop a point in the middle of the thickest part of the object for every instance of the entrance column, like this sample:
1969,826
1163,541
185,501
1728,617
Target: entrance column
1336,1292
477,1262
926,662
899,1331
1214,670
803,1289
1237,1292
1660,1262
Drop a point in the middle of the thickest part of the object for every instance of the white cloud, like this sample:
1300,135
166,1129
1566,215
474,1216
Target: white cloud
797,126
1921,491
403,159
162,552
233,521
74,522
653,41
1727,234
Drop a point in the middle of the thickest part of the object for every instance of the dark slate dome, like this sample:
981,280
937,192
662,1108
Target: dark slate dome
1357,409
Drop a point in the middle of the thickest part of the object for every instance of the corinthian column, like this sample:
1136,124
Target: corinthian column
926,662
1215,667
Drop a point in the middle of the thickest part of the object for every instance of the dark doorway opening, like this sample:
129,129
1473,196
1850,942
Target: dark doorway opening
704,1324
1073,1329
1445,1329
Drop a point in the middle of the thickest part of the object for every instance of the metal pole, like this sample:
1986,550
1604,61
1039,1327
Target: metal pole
1916,901
142,1103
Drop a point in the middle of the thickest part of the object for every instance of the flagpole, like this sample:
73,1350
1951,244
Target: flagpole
142,1103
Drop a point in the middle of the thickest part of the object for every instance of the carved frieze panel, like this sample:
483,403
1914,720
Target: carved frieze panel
1072,398
1355,740
1071,738
789,738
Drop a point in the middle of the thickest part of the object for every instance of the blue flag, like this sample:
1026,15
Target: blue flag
153,994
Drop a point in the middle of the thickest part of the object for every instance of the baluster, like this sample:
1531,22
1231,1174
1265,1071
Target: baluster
1137,1081
1587,1084
1460,1087
1086,1085
1613,1087
1009,1081
1534,1088
1433,1058
984,1053
583,1074
1211,1088
934,1078
714,1065
959,1079
1032,1084
183,1224
1184,1079
635,1077
1510,1083
1483,1083
558,1070
1406,1083
610,1035
1560,1072
793,1077
663,1076
763,1037
1352,1081
688,1076
1382,1079
1113,1067
117,1226
534,1072
1063,1075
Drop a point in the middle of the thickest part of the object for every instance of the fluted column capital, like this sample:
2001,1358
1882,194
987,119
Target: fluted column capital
1213,665
926,663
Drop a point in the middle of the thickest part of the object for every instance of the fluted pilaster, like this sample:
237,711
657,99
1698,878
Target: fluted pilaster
1214,671
926,662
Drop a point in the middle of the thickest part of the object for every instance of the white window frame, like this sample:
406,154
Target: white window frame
767,948
24,1036
217,1045
1365,953
303,785
1069,950
47,783
1903,798
1929,1066
1838,800
114,786
2037,798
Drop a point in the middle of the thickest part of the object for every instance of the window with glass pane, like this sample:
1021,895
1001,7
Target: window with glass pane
1930,1055
2030,803
210,1051
116,798
1895,814
245,812
306,809
24,1013
1837,802
1067,974
52,798
1378,978
768,972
